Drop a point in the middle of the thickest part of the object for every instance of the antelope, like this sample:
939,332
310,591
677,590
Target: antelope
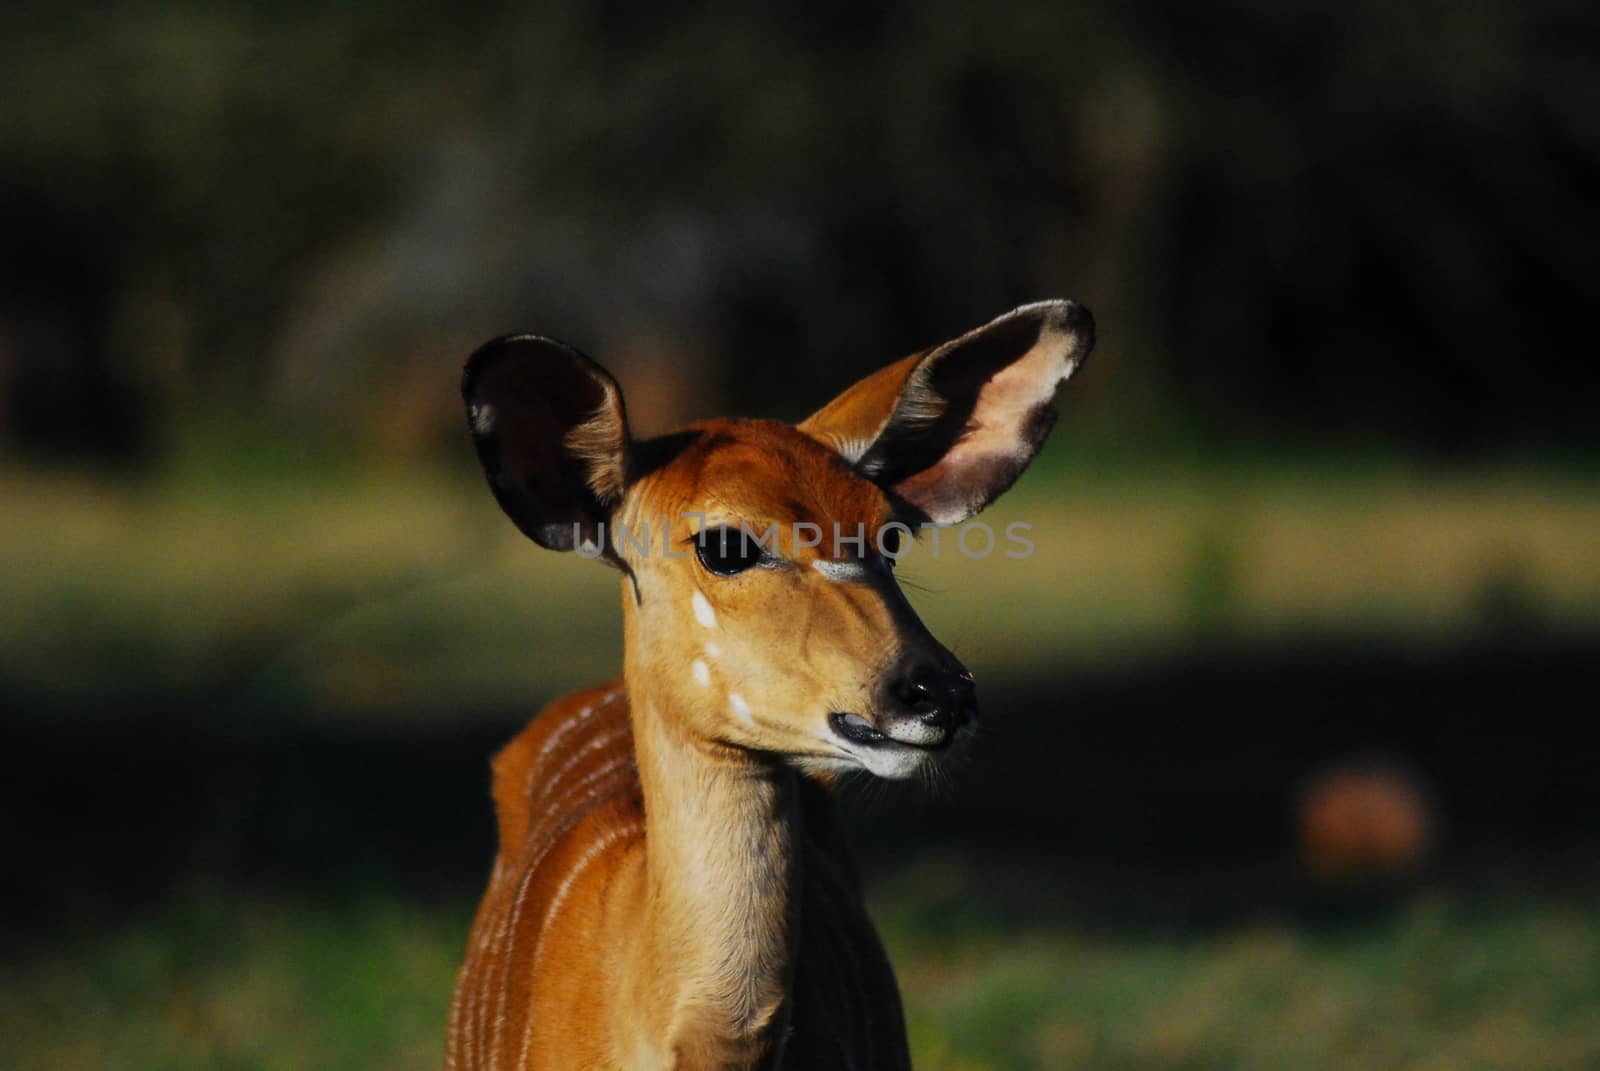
672,888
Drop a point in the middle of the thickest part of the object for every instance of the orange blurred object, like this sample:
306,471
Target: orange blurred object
1364,823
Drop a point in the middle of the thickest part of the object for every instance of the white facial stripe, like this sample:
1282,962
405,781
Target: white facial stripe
702,675
841,571
703,612
740,707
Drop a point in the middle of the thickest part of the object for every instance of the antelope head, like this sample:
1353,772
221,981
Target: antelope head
757,557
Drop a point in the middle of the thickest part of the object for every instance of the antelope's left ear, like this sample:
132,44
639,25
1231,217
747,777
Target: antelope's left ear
552,435
950,429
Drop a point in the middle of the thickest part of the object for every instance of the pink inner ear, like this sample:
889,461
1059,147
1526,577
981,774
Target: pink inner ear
952,428
1004,432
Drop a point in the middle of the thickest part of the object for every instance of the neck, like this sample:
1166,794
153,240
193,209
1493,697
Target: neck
722,859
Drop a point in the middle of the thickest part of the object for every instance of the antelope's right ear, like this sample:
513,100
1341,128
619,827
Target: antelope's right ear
551,432
950,429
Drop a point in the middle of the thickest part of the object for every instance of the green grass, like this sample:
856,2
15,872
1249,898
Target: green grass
1443,983
374,593
363,981
372,597
214,982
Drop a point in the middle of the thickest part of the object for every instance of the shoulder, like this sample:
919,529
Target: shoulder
574,757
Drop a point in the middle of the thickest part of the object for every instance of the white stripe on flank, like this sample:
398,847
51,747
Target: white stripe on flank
590,854
536,768
702,675
740,707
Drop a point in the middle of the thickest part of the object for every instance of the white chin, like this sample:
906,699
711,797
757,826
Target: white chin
891,762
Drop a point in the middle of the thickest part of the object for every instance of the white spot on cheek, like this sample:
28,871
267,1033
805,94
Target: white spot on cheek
702,675
703,612
713,651
740,707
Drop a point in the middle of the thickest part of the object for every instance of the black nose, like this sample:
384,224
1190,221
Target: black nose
942,696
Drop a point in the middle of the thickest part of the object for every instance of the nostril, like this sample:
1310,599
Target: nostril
923,696
932,699
939,696
920,692
914,686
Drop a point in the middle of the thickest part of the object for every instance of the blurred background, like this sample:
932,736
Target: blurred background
1291,756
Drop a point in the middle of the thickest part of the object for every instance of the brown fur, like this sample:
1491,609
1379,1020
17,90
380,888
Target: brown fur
718,957
568,785
671,890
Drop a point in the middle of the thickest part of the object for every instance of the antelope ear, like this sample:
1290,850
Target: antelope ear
552,435
950,429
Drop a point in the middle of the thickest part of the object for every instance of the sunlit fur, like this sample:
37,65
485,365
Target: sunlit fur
796,644
671,889
705,976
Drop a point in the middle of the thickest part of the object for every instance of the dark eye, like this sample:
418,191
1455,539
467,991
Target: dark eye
726,551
